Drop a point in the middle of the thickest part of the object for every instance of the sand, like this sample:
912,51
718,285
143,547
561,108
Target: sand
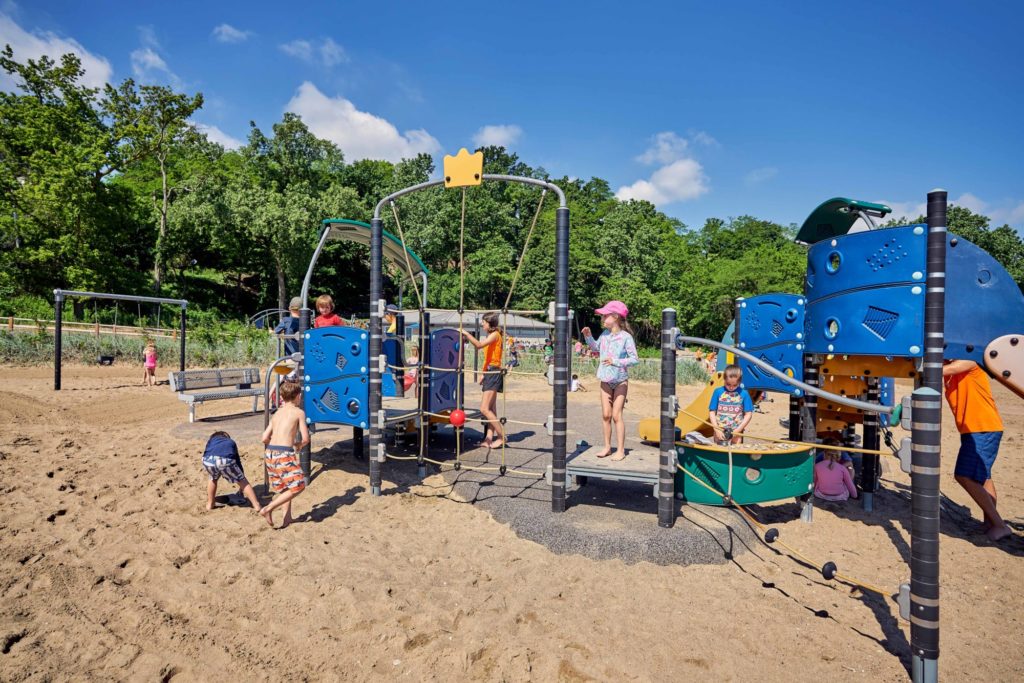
112,568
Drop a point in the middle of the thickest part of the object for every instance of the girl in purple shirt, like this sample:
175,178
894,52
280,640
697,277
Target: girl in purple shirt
617,351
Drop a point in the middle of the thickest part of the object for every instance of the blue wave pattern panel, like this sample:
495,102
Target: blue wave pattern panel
982,301
446,386
771,327
336,376
865,293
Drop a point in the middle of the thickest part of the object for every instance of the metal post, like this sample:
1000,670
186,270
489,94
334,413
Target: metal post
181,343
58,316
376,313
561,359
869,463
667,456
476,351
794,418
424,398
400,335
304,455
926,457
809,427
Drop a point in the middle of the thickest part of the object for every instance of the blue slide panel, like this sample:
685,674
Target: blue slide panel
446,386
771,326
336,376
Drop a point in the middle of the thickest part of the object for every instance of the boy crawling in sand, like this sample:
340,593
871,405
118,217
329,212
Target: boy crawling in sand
281,458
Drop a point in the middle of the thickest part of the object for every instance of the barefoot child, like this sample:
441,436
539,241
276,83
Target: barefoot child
220,459
832,481
617,352
981,429
492,381
730,408
281,458
149,364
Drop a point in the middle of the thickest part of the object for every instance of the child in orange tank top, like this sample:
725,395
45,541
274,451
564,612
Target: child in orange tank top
492,380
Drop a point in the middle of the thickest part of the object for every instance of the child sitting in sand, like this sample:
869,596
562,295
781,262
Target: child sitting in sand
832,481
220,459
281,458
730,408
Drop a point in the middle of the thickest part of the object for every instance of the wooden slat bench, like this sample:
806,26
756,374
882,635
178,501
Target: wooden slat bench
241,379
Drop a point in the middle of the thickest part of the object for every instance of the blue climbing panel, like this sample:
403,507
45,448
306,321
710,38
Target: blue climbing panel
392,350
336,376
865,293
982,301
771,327
446,386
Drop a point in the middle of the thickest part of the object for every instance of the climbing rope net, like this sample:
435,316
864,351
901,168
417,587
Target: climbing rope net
497,423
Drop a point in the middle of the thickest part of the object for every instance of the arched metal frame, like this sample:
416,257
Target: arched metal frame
561,381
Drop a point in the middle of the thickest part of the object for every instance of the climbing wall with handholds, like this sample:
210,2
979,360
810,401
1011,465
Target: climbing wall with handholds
771,327
983,302
446,385
865,293
336,376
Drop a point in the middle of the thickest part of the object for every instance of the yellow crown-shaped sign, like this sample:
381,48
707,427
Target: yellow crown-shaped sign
463,169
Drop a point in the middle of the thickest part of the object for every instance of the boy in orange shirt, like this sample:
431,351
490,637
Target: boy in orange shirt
970,398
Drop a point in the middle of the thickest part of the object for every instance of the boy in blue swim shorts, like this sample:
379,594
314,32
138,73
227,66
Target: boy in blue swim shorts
981,429
221,459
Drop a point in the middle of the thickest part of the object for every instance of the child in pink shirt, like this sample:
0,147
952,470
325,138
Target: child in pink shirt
832,481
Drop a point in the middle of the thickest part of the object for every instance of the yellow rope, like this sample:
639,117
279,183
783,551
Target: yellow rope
405,252
750,518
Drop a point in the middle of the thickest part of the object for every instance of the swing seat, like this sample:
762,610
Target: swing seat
104,360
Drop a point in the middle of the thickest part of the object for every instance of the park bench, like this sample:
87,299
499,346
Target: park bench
186,382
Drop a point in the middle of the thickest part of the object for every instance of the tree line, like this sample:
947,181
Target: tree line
115,190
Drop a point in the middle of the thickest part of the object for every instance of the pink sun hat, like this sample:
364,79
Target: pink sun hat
616,307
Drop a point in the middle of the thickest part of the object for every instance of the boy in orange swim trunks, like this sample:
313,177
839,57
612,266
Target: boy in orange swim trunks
970,397
281,458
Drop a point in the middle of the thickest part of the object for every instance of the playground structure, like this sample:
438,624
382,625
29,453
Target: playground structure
875,308
59,295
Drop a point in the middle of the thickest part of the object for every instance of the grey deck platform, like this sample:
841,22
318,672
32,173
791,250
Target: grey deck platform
641,464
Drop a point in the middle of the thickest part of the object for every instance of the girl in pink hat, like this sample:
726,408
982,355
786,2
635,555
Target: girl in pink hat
617,352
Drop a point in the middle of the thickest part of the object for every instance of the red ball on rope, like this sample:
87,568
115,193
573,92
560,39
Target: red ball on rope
457,417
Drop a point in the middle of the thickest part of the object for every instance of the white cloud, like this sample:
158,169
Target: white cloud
325,52
499,136
215,134
665,148
678,181
359,134
147,64
226,33
33,45
702,138
761,175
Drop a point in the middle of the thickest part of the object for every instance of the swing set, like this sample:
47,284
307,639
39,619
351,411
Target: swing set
58,308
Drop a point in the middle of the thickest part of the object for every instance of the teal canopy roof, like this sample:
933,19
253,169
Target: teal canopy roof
359,232
835,217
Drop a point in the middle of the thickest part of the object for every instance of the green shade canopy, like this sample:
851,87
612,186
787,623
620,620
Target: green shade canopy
359,232
835,217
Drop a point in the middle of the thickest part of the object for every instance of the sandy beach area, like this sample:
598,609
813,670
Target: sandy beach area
112,569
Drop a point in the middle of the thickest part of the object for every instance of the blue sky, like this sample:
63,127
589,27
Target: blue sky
708,109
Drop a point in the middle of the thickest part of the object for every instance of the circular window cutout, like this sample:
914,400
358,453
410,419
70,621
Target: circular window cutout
832,328
833,262
753,475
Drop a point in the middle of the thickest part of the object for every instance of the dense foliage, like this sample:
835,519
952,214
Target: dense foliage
116,191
